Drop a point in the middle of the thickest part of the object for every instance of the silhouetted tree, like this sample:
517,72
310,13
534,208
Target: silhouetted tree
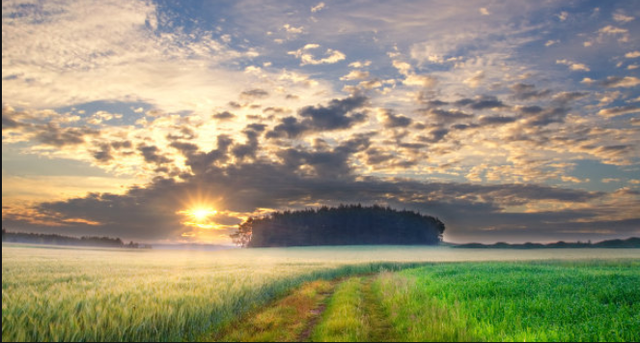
344,225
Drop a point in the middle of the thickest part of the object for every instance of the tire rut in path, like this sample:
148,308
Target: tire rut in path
316,315
380,327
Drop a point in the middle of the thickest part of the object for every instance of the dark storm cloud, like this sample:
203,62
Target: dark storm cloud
51,134
337,115
547,117
8,122
483,102
289,127
152,154
226,115
523,91
276,110
530,109
103,155
496,120
446,116
254,94
435,136
250,149
567,97
122,145
392,120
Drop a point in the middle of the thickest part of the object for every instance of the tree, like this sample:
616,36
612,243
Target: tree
243,236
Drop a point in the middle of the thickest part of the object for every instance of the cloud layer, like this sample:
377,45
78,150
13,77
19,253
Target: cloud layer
512,122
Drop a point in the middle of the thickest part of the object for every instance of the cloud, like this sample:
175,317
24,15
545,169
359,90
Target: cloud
622,18
496,120
153,155
523,91
254,94
391,120
226,115
292,29
355,75
331,56
612,30
620,82
317,8
618,111
64,54
475,80
573,65
567,97
484,11
482,102
447,116
359,64
632,54
563,16
337,115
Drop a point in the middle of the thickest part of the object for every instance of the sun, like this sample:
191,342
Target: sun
201,214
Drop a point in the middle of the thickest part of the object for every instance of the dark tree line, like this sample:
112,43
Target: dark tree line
344,225
633,242
53,239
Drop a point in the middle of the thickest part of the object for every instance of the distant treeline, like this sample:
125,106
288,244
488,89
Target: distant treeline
343,225
53,239
633,242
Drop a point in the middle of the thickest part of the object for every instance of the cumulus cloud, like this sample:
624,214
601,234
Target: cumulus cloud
475,80
612,30
523,91
632,54
618,111
622,18
226,115
620,82
413,79
338,114
331,56
317,8
573,65
392,120
293,29
355,75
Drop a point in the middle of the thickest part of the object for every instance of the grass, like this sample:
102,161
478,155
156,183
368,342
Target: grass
559,301
69,294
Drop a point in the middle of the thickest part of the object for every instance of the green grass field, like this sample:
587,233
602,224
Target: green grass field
373,293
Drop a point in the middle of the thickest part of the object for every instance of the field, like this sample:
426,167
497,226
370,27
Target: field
320,294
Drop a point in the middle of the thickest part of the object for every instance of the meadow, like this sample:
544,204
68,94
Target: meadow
75,294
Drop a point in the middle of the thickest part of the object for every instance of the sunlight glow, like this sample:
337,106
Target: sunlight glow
199,214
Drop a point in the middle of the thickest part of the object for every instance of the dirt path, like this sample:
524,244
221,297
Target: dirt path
295,317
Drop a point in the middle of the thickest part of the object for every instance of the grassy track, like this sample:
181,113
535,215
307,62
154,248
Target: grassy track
284,321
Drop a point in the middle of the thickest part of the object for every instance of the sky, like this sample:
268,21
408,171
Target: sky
173,121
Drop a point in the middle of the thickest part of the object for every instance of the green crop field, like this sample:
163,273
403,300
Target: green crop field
387,293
